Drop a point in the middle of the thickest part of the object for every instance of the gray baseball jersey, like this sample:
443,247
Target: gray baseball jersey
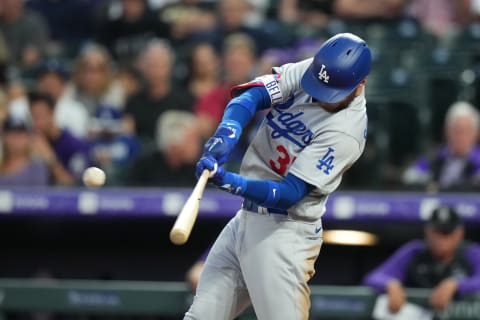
299,137
266,259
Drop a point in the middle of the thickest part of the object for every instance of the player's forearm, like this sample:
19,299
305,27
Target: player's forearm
237,114
378,281
394,268
242,108
469,285
272,194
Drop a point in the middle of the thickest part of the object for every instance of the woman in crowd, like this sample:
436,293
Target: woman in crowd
94,82
204,70
18,166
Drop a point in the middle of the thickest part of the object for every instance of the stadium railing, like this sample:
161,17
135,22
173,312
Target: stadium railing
171,299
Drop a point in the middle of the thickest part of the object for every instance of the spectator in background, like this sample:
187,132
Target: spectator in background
440,17
110,148
455,166
273,57
18,166
70,22
257,15
159,95
186,17
233,17
129,29
443,262
303,49
69,113
94,80
369,9
178,147
17,101
26,33
238,64
204,70
66,155
130,80
314,14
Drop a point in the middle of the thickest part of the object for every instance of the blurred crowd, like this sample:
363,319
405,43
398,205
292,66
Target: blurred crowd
136,86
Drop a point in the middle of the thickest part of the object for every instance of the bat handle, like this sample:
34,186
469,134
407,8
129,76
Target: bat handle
202,182
200,186
183,225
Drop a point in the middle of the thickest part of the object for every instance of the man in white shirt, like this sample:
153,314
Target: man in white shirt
69,113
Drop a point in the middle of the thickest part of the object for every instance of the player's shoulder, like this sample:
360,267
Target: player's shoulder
351,122
290,74
282,85
284,82
294,67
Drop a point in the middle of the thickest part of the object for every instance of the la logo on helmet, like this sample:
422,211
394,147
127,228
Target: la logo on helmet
322,75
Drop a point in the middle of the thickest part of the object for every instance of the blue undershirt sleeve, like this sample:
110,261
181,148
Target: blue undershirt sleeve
244,107
272,194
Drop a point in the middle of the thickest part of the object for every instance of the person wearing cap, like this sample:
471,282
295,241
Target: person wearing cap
314,130
70,114
442,261
18,166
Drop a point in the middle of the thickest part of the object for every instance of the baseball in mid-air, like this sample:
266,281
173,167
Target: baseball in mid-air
94,177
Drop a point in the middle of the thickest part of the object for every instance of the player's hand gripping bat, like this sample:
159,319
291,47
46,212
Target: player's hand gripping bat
183,225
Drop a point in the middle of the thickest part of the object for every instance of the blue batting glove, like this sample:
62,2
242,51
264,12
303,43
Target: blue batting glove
216,172
221,178
221,145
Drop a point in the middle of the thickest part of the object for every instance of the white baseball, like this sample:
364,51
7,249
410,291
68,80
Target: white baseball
94,177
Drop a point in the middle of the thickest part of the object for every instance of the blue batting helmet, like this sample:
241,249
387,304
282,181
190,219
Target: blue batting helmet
341,63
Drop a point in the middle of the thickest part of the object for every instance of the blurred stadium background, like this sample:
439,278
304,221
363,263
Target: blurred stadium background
138,85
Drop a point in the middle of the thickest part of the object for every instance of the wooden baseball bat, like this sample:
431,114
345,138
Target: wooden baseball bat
186,218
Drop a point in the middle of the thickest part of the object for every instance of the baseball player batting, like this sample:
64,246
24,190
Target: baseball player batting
314,131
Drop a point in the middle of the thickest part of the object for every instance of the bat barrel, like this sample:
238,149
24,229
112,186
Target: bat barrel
179,236
183,225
